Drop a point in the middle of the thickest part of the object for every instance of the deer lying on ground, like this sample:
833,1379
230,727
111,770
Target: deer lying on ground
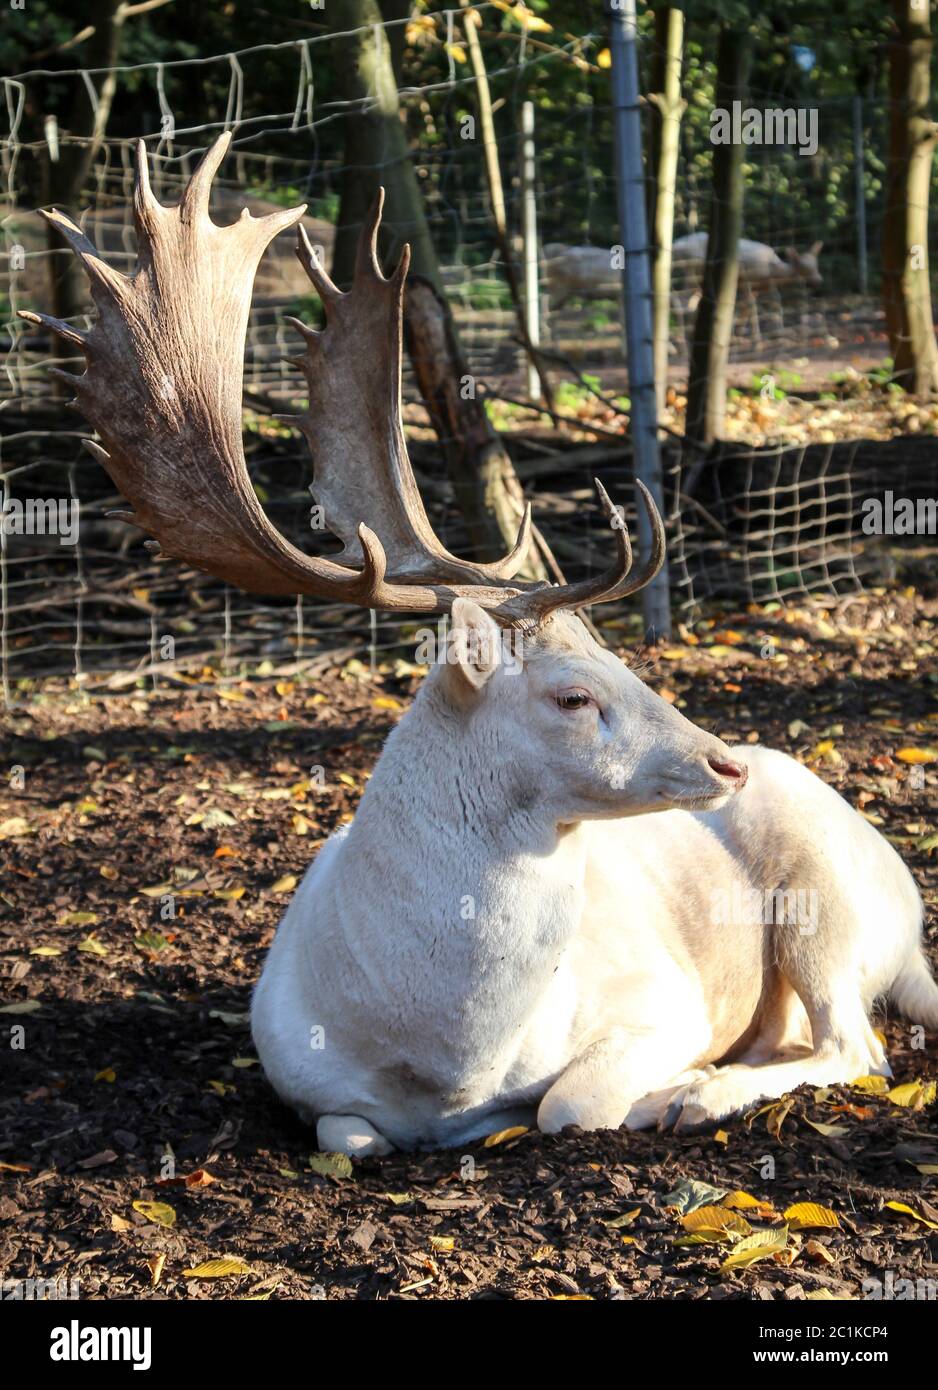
550,903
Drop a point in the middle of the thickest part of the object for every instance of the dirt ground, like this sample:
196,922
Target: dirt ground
129,1079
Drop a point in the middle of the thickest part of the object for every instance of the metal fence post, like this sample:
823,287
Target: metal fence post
529,235
636,285
859,181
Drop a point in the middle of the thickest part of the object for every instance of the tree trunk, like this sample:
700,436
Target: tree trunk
376,150
906,281
65,177
475,458
493,178
713,325
668,107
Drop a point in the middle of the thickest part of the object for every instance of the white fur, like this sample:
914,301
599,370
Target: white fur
509,929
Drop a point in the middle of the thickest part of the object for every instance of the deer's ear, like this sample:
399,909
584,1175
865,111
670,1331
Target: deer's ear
474,648
816,248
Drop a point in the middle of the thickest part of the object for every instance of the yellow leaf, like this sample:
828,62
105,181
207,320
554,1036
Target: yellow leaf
502,1136
155,1266
92,946
805,1215
386,702
78,919
740,1199
159,1212
444,1243
107,1074
721,1137
44,951
13,827
237,695
760,1245
245,1061
329,1165
916,1215
873,1085
157,890
230,894
716,1219
625,1219
728,637
285,884
604,58
106,871
457,52
399,1199
347,779
914,1095
217,1269
821,1296
917,755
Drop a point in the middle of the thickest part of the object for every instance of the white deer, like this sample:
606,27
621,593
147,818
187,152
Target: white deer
759,266
551,903
588,271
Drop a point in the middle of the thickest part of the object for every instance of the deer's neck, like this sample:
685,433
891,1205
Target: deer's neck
467,858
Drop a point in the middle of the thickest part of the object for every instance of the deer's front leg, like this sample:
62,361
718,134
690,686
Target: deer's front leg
601,1086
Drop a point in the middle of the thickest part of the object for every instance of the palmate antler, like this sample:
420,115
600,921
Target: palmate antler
163,386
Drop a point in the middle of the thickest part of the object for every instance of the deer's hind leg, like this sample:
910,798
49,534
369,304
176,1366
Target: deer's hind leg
821,984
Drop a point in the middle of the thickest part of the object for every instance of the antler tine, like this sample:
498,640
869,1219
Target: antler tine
535,605
366,254
323,285
362,471
195,196
659,546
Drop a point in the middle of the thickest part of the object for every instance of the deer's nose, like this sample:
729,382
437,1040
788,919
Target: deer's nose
726,767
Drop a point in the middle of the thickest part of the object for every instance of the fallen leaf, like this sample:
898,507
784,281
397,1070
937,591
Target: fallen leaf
809,1215
285,884
760,1245
155,1266
716,1218
92,946
917,755
873,1085
217,1269
161,1213
329,1165
906,1210
502,1136
13,827
691,1194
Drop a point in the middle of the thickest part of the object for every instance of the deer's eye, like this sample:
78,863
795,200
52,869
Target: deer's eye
572,699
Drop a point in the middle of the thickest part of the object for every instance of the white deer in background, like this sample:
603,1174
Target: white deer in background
553,900
587,272
761,271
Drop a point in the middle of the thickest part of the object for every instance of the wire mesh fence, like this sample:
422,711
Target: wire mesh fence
90,602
